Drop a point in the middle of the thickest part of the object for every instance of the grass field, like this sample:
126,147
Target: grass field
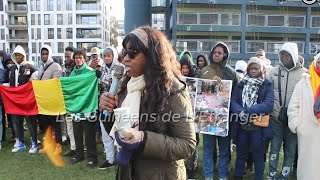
17,166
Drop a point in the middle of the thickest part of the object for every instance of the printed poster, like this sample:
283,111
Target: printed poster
211,104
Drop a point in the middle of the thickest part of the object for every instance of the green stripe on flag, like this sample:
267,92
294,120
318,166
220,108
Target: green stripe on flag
80,92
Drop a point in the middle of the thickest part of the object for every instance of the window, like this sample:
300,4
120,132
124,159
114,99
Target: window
34,47
158,21
50,33
33,19
230,19
58,5
70,44
21,20
185,18
59,19
59,33
1,5
275,20
315,21
88,6
2,34
20,7
69,33
38,33
2,20
209,18
60,47
256,20
88,19
69,4
32,5
50,5
253,46
87,45
69,19
296,21
39,19
205,46
47,19
38,5
32,33
155,3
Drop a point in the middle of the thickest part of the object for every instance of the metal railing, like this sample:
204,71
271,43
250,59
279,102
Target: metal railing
272,47
217,18
276,20
205,45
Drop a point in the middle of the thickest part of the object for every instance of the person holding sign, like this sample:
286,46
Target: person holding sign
252,97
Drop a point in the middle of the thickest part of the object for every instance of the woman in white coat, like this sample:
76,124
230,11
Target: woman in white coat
304,119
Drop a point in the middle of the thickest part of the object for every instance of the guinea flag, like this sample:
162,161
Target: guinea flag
57,96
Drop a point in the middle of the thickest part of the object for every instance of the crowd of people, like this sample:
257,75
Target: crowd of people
286,97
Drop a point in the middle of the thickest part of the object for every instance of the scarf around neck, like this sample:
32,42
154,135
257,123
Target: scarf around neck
135,88
250,90
315,82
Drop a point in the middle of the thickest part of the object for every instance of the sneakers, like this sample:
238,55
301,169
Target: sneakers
20,147
16,144
105,165
92,164
34,147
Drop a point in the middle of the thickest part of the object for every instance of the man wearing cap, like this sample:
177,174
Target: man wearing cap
95,61
50,70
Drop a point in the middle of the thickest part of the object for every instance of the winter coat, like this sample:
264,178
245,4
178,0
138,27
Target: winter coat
292,75
107,72
168,143
302,121
264,106
83,69
53,70
20,73
224,71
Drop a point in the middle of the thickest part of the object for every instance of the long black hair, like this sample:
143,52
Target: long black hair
161,67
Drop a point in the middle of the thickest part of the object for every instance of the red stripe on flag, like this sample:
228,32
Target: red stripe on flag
19,100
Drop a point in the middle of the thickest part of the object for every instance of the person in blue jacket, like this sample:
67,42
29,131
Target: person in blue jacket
252,96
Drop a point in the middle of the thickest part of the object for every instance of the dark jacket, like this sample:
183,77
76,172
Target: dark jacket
222,70
168,143
20,74
264,105
6,70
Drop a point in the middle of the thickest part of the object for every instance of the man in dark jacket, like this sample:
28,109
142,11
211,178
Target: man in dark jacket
217,70
20,74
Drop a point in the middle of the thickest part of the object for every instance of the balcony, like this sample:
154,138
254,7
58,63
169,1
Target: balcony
204,45
271,47
17,9
276,20
17,1
18,38
17,25
89,9
86,35
217,18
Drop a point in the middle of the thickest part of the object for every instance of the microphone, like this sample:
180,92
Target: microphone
118,73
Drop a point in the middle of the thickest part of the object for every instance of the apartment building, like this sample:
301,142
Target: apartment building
58,23
245,25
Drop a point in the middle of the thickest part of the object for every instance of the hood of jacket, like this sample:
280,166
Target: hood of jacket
19,49
185,52
205,59
187,60
49,54
292,49
115,57
225,57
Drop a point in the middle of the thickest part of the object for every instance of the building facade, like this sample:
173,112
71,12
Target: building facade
59,23
244,25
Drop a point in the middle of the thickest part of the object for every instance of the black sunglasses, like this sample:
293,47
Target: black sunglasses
130,52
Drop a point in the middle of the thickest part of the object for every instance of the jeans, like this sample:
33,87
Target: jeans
247,139
209,142
17,122
282,134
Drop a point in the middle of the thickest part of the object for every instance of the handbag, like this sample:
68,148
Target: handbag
283,116
261,121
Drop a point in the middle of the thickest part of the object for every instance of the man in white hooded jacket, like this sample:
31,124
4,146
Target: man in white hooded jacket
50,70
290,71
19,74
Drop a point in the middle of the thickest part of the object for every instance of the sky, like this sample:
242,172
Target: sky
118,8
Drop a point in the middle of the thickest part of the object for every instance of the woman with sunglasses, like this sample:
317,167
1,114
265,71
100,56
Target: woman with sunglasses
162,133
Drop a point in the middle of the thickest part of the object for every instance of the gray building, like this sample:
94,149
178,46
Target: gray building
244,25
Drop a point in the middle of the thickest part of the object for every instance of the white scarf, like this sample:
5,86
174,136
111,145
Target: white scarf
250,90
135,87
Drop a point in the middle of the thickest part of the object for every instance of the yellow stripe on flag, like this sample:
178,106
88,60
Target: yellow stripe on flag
49,96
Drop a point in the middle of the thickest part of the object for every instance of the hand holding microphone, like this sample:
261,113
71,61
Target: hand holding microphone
108,100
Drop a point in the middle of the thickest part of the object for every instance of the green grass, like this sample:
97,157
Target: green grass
17,166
